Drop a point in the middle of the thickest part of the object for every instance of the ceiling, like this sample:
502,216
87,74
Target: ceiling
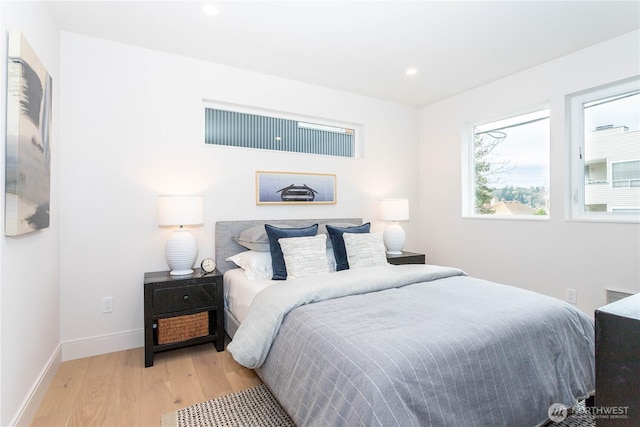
362,46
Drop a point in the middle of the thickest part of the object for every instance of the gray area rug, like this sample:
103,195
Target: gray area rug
578,416
256,407
253,407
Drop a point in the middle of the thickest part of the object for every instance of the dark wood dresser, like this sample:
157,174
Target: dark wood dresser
617,400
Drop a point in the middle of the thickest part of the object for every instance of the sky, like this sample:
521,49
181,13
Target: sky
527,146
623,112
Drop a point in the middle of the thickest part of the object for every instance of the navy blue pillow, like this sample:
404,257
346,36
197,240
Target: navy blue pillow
277,259
339,250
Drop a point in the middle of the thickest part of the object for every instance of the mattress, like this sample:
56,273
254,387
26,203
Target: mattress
239,292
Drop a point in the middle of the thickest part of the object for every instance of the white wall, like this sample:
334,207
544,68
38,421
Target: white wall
547,256
29,264
132,126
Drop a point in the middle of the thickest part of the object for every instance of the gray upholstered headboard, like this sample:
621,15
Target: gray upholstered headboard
226,231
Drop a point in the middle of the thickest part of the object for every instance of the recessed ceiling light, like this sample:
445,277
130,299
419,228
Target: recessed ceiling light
411,71
210,9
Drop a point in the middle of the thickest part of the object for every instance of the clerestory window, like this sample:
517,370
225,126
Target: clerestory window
276,131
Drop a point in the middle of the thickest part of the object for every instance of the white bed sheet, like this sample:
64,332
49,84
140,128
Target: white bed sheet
239,291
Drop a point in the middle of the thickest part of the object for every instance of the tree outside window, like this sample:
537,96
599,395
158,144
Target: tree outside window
512,165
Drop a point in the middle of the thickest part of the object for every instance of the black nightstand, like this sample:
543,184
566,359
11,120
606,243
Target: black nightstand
180,311
406,258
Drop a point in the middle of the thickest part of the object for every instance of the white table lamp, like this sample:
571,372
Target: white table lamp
181,249
394,210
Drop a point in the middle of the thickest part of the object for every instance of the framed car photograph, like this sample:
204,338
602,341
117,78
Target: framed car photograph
295,188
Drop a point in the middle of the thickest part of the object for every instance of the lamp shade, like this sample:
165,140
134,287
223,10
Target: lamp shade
394,209
180,210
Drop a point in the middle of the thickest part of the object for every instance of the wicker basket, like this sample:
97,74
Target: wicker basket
182,328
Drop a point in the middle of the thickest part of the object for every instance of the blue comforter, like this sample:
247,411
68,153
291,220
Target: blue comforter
439,349
252,341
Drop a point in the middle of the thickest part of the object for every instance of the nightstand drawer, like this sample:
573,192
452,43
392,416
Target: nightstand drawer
182,298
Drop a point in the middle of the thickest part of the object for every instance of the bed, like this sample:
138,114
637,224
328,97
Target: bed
406,345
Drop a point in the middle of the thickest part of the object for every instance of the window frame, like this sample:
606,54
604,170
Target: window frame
576,138
469,168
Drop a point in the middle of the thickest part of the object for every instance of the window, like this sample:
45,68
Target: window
511,167
605,141
625,174
224,126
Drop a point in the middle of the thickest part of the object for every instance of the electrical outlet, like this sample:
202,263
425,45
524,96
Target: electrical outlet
572,296
107,304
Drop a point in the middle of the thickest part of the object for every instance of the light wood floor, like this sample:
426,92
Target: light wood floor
116,389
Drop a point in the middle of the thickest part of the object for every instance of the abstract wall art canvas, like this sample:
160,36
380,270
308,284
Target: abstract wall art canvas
28,151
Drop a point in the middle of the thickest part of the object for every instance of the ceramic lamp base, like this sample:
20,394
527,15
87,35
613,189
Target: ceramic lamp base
394,237
181,251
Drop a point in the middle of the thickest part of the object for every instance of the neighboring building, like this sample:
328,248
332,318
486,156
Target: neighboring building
612,170
512,208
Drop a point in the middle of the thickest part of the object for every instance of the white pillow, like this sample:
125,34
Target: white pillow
256,265
365,249
305,256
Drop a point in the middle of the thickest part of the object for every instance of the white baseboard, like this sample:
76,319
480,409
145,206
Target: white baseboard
102,344
32,402
71,350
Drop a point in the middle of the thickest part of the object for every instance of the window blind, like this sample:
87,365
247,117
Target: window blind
236,129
